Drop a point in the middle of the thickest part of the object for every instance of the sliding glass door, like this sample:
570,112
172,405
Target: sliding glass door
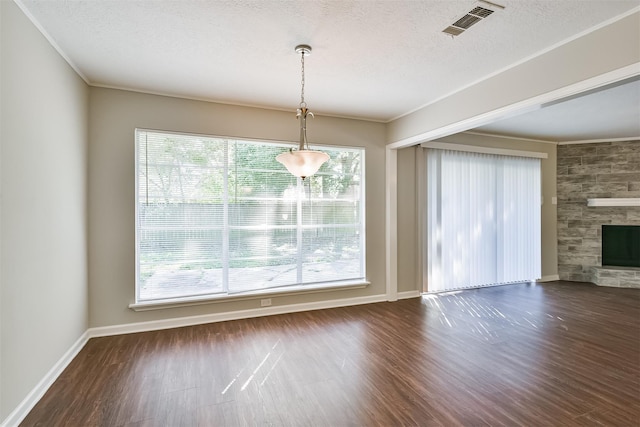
482,219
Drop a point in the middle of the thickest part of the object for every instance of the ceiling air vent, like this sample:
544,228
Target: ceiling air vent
466,21
481,12
453,30
475,15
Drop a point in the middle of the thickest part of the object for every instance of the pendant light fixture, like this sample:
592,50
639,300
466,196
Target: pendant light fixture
303,162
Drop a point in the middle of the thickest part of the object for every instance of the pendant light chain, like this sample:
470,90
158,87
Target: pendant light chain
302,103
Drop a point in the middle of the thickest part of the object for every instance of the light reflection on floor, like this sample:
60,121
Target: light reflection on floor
511,355
455,309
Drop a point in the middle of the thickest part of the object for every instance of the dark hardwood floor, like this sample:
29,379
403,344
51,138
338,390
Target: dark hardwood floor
554,354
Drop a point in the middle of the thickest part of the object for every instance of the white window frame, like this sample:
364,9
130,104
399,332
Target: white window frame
151,304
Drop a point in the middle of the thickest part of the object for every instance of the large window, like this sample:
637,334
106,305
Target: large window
222,216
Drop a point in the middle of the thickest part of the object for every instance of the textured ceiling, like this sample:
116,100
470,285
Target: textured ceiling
608,113
375,60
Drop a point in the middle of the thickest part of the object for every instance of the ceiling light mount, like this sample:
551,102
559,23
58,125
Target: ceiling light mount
303,162
303,49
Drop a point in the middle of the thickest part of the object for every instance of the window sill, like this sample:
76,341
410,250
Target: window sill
211,299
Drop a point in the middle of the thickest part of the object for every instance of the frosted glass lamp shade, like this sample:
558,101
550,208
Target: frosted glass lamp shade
302,163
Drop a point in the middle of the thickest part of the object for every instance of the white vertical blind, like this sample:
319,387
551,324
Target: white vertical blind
483,219
217,215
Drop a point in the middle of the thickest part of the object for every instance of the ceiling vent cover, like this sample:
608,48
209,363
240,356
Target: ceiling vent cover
453,30
482,12
479,12
466,21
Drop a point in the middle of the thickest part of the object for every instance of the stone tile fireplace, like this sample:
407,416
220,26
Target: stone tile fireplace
606,170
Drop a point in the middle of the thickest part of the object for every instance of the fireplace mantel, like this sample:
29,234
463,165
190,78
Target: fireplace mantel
627,201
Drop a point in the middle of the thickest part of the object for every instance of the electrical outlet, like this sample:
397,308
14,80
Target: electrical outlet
265,302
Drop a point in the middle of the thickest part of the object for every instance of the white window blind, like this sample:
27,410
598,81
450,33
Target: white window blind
483,219
222,216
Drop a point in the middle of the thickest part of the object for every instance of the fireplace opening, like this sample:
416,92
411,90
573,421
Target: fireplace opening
621,245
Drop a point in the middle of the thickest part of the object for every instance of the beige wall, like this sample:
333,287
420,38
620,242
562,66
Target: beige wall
43,262
114,114
408,236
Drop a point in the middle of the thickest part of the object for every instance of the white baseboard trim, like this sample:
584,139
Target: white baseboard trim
551,278
27,404
409,294
231,315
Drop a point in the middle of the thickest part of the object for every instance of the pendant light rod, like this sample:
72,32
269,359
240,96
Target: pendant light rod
303,111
